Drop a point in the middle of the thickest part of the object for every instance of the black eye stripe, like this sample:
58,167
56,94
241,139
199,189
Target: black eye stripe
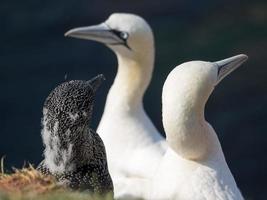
122,35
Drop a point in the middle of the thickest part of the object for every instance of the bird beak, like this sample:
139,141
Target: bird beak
100,33
96,82
228,65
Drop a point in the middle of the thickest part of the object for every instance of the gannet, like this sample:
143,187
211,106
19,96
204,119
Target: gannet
194,167
134,146
74,153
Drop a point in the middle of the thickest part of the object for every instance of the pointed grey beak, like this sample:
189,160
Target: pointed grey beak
100,33
96,82
228,65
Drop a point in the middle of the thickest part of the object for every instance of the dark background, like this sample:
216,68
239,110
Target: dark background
35,56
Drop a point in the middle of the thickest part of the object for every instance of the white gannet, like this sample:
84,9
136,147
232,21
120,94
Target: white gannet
194,167
134,146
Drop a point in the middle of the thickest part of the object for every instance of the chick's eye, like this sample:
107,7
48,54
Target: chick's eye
124,35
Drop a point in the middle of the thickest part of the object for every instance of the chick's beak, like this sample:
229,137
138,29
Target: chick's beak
95,82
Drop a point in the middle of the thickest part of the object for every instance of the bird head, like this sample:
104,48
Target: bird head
197,79
68,108
126,34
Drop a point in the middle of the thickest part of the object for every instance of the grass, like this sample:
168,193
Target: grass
29,184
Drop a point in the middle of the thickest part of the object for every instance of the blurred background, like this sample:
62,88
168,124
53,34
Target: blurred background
35,57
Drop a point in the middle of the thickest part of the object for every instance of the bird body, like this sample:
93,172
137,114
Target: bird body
134,146
74,153
91,176
183,179
130,168
194,166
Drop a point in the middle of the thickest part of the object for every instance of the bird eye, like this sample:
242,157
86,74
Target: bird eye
124,35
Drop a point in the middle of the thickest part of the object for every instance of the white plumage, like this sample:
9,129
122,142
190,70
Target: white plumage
194,167
133,144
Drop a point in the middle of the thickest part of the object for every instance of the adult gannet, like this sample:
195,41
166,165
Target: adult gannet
134,146
194,167
74,153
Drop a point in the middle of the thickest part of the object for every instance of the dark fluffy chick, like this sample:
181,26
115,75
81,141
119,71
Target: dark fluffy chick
74,153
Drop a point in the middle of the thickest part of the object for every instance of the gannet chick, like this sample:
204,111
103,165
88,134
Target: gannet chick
74,153
194,167
134,146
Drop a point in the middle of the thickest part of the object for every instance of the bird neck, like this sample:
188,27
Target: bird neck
187,131
131,81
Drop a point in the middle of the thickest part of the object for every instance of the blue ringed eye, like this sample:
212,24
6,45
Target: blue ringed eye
124,35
